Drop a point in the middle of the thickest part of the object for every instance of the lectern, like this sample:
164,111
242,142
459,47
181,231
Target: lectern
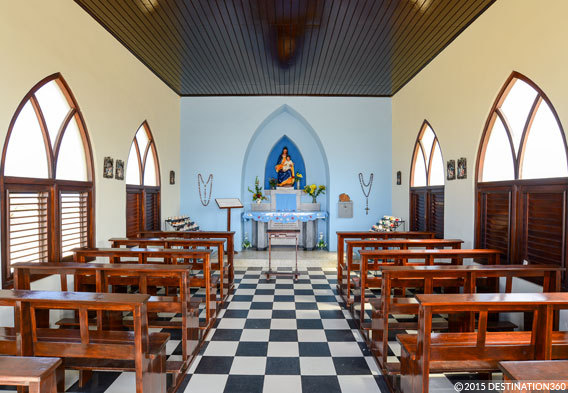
228,204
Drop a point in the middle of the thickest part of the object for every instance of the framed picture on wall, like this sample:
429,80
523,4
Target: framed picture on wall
398,178
108,168
462,168
119,174
451,170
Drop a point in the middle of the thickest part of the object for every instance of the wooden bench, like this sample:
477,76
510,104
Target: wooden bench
428,257
228,236
548,371
428,278
481,350
165,256
84,349
342,236
104,276
193,244
38,374
384,244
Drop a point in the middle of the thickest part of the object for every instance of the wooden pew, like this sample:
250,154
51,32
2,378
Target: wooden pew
229,237
400,257
106,275
218,244
167,256
342,236
427,278
38,374
84,349
481,350
384,244
547,371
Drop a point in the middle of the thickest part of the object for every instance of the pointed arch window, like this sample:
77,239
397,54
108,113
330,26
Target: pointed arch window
524,138
522,177
142,183
427,183
46,177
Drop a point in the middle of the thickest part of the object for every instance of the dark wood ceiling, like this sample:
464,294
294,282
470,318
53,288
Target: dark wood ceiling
285,47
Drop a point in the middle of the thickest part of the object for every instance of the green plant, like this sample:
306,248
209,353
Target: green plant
257,193
273,182
314,191
246,242
322,245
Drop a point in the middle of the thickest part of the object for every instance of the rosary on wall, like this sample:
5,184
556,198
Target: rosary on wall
205,197
368,192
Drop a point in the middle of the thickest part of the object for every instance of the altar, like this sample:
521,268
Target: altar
284,210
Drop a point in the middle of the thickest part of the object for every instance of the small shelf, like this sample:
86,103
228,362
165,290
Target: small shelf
182,223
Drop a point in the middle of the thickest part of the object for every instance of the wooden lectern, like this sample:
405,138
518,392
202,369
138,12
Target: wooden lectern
228,204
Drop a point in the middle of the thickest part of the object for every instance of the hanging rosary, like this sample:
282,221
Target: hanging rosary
205,199
363,186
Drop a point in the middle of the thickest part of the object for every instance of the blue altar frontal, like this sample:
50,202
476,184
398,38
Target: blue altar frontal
284,217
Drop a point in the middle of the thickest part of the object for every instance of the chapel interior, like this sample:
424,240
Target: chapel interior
276,196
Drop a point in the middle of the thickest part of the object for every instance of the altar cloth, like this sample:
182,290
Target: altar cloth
284,217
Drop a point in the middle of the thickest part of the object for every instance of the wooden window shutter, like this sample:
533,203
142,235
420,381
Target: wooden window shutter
418,210
74,221
436,212
543,210
495,214
133,216
152,212
28,227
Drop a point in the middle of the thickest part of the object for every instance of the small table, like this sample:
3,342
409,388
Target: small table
281,234
37,373
552,371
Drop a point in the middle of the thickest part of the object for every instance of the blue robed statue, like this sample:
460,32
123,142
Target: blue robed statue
285,169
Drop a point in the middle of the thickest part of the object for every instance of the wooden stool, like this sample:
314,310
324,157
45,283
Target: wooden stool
36,373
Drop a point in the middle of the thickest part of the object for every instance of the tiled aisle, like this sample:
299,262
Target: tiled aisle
283,336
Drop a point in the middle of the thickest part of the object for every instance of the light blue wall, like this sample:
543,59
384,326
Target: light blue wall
353,134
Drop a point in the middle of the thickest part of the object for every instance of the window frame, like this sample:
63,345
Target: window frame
141,188
430,191
428,164
51,185
496,112
518,188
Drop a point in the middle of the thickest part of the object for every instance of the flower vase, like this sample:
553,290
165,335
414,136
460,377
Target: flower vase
314,199
297,184
258,201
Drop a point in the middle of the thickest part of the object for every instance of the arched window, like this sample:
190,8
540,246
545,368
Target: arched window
142,183
427,183
46,179
524,138
522,171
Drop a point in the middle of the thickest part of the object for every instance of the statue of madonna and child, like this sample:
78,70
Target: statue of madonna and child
285,169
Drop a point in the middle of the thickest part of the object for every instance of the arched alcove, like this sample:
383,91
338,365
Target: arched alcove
274,158
285,124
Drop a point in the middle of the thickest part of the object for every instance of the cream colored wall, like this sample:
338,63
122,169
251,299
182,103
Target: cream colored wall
456,90
115,92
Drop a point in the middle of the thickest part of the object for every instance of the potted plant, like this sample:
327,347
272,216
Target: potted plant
314,191
298,179
257,193
322,245
272,183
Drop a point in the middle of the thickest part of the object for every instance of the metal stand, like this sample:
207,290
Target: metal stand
281,234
